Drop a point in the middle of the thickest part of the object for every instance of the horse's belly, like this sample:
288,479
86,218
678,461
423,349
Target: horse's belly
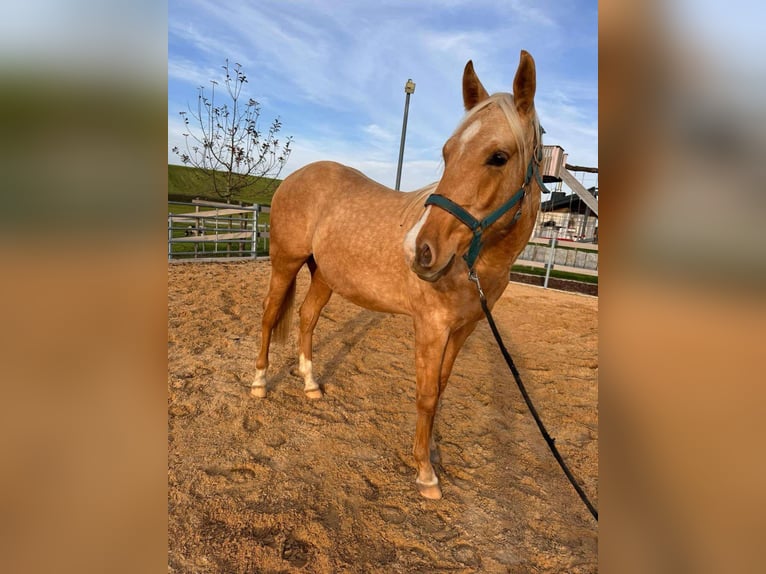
370,280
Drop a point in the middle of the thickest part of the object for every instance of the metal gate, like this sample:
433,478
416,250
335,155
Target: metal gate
208,230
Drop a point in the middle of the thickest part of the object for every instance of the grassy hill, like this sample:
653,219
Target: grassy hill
186,183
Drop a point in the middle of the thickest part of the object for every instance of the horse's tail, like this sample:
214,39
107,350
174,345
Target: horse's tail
281,330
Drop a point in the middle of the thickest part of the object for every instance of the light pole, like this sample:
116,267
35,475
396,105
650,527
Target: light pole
409,88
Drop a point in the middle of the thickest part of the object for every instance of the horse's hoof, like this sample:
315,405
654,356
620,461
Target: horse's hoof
431,492
258,392
314,394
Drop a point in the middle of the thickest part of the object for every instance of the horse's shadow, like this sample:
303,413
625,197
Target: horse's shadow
345,337
341,336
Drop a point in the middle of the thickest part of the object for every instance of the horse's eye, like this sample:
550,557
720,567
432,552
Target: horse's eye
498,159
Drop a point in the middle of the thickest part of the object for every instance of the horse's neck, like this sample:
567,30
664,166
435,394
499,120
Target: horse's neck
413,203
498,256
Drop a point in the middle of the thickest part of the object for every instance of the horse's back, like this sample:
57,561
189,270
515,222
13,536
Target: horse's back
335,199
325,184
353,226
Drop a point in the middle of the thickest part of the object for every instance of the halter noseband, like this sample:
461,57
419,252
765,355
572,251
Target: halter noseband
478,226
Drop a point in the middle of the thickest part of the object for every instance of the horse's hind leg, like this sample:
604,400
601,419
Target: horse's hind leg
277,311
317,297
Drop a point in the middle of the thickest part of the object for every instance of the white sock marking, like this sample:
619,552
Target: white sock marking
305,369
260,378
433,482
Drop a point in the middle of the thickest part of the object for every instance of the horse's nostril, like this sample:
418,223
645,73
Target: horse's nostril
426,257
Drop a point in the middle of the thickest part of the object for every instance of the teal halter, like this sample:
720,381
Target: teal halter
478,226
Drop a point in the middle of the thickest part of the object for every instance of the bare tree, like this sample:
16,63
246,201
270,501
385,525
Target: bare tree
228,147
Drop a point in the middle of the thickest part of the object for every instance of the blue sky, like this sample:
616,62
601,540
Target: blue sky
334,72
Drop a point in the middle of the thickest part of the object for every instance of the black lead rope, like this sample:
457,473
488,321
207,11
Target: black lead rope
551,441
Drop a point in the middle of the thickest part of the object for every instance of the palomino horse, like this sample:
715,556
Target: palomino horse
395,252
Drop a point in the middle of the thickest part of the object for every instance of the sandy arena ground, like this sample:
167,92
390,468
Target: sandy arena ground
285,484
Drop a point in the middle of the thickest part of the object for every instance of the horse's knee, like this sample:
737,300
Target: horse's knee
426,403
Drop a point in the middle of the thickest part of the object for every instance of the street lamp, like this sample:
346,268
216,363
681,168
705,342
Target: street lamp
409,88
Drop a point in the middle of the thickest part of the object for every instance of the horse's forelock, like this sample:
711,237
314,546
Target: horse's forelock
505,102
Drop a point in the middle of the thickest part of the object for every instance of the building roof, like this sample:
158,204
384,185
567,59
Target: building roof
560,201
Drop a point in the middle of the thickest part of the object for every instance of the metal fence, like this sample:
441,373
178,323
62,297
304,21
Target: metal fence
560,254
565,241
211,230
579,227
208,230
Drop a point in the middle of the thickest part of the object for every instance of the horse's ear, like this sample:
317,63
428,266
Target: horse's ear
524,84
473,91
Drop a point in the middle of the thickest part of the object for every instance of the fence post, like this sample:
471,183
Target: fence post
197,232
549,264
254,244
170,237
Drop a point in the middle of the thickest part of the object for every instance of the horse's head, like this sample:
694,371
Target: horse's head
485,163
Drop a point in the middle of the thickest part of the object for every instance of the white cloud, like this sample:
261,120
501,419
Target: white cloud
378,133
190,72
530,13
336,76
374,163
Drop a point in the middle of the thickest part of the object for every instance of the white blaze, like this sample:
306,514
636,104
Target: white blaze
469,133
412,235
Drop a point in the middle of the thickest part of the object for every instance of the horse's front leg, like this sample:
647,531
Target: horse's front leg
454,344
430,345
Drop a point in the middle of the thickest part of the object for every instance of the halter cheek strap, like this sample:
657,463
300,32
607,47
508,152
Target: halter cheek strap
475,225
478,226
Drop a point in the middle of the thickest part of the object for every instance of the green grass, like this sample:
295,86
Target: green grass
557,274
176,209
186,183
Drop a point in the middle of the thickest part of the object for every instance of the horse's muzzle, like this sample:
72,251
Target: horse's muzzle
428,273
